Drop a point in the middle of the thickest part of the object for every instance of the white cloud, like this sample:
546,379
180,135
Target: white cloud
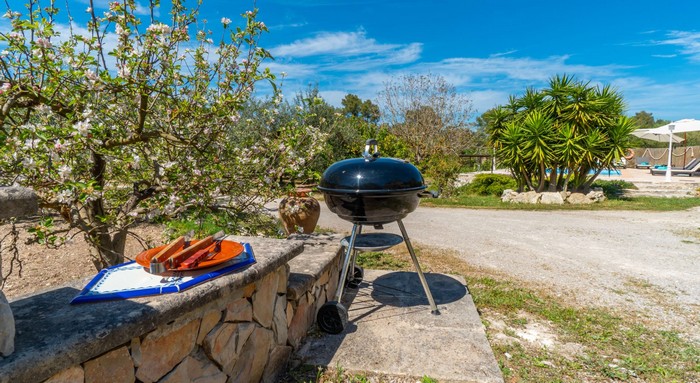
484,100
689,43
675,100
291,69
348,44
334,97
286,26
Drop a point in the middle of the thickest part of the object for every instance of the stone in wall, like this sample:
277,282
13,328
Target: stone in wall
279,324
276,364
115,366
282,279
264,300
239,310
302,320
73,374
224,343
135,349
253,357
195,368
163,349
290,313
209,321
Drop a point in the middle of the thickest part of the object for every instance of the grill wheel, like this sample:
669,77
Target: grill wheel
332,317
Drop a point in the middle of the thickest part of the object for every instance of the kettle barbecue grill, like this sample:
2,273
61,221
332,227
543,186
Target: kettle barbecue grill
369,191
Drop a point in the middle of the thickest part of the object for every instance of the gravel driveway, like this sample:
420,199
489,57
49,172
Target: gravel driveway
645,263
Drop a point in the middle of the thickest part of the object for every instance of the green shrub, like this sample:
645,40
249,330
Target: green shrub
489,184
613,188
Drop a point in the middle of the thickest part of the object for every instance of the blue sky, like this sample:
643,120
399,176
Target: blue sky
648,50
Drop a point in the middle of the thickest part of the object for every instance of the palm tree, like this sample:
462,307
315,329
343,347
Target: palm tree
565,130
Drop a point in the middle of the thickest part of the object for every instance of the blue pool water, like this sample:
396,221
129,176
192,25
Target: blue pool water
607,172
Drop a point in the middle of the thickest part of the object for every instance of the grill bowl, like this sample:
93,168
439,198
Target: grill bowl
372,190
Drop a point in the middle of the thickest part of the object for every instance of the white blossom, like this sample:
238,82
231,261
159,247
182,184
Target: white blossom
64,171
82,127
29,163
124,71
65,196
43,43
158,28
91,75
31,143
226,21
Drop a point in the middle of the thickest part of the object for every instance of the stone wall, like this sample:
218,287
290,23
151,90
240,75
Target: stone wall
238,328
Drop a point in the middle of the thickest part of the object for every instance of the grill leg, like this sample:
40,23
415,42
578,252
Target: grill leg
433,307
349,255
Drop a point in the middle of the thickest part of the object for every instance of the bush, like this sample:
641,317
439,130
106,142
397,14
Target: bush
613,188
489,184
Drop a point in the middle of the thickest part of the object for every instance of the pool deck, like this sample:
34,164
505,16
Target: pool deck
644,175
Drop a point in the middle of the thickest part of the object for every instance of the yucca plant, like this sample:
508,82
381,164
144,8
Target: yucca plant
553,138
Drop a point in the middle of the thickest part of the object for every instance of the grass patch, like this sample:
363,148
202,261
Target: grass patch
610,346
381,261
309,374
636,203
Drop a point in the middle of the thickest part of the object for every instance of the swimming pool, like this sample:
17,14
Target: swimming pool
607,172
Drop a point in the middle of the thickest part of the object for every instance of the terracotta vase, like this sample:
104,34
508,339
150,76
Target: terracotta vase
299,211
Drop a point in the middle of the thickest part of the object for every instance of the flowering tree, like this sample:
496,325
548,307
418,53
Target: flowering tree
135,117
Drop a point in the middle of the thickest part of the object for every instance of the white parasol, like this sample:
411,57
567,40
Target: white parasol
680,126
658,137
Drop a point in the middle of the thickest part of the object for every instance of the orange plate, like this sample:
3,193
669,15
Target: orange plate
229,250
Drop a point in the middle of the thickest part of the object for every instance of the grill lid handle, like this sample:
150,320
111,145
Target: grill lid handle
368,145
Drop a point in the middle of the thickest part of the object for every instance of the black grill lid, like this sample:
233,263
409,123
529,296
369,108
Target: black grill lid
371,174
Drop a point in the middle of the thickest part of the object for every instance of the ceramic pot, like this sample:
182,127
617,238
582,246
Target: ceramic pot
299,211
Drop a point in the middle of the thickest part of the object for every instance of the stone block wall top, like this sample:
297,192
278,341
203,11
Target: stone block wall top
53,335
306,269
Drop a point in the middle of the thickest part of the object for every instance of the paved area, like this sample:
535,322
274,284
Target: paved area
392,332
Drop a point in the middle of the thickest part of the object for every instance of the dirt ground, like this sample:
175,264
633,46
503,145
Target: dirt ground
640,263
43,268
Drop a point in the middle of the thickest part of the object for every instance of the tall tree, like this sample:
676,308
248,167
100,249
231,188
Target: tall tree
644,120
352,105
432,118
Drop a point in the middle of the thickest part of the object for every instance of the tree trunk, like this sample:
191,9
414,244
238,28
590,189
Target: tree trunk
553,183
587,185
107,250
543,178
